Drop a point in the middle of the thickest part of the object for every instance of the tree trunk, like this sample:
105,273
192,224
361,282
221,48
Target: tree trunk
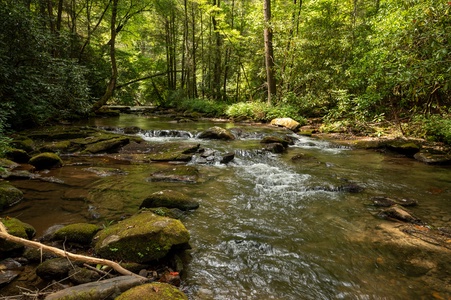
269,52
113,79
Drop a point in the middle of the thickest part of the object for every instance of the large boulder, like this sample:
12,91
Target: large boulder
80,233
285,122
142,238
169,199
216,133
9,195
17,155
153,291
46,160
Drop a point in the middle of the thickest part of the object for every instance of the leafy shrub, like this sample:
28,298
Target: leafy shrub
204,106
437,128
260,111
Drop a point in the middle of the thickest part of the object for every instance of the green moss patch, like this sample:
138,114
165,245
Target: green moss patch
81,233
142,238
153,291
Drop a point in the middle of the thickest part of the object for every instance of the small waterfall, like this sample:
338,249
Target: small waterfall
166,134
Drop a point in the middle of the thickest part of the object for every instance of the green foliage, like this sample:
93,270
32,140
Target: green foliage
204,106
37,82
260,111
436,128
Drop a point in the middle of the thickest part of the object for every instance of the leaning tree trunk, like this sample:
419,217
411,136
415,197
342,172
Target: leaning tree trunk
113,79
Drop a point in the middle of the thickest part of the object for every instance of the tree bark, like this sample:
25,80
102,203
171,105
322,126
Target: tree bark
269,52
113,79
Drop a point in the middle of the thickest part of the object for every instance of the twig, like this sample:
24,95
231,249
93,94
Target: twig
103,273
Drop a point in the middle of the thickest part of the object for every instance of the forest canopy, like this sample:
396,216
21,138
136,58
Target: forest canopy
351,63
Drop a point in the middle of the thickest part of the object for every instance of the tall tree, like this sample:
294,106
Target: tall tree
112,44
269,52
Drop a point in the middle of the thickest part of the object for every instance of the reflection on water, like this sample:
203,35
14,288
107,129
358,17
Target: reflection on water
268,227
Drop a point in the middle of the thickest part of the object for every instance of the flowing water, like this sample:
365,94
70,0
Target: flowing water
268,226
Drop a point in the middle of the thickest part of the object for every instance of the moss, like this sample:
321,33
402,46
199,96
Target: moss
77,233
153,291
172,151
141,238
24,143
9,195
107,145
46,160
17,155
61,146
17,228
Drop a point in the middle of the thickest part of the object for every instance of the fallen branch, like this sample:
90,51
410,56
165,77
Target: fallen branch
77,257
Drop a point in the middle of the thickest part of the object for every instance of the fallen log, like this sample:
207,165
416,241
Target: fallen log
62,253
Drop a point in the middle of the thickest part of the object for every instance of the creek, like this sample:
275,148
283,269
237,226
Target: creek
268,226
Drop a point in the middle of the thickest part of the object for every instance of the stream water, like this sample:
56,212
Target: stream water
268,226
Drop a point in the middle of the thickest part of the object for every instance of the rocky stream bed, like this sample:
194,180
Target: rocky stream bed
148,237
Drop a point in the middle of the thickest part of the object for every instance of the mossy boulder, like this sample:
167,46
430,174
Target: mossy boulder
142,238
169,199
153,291
81,233
17,155
23,142
46,160
188,174
216,133
9,195
110,145
17,228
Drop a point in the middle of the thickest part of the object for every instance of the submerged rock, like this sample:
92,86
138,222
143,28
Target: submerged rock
169,199
105,289
217,133
383,201
171,151
285,122
153,291
46,160
142,238
396,212
187,174
436,157
9,195
81,233
110,145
